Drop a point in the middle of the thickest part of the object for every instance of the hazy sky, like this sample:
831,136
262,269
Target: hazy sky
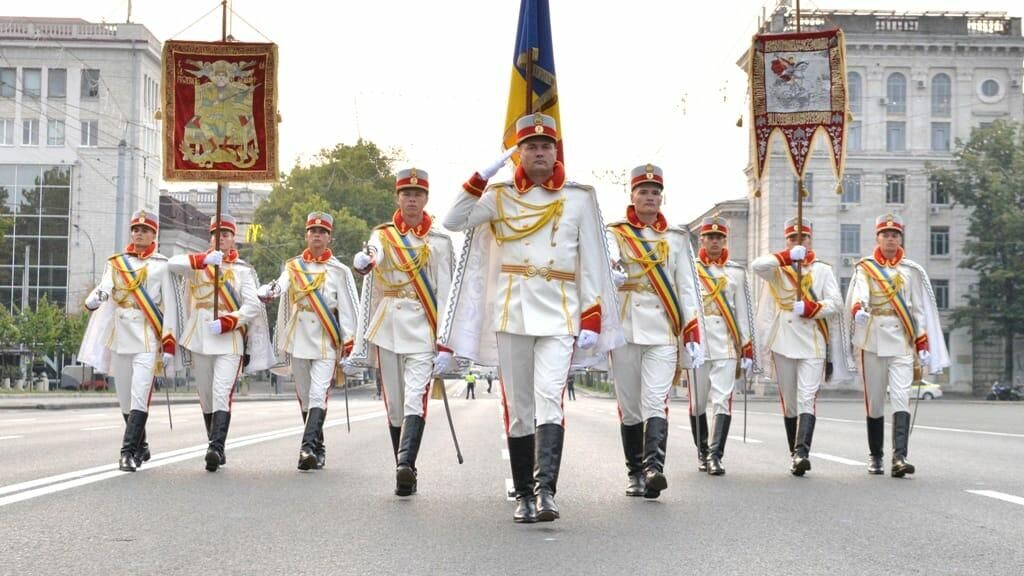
639,81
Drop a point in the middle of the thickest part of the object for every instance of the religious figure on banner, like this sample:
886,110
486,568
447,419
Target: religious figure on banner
222,128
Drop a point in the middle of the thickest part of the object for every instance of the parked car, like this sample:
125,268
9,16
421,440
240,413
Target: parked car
925,390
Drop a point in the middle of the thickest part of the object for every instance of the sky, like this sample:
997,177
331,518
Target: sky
640,81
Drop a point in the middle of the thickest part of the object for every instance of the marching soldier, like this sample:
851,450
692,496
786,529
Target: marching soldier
658,311
728,328
533,283
217,339
411,263
802,330
897,332
315,328
131,330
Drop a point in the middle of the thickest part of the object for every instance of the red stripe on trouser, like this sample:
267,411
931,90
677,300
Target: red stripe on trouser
864,383
384,391
504,405
149,399
426,397
782,398
231,394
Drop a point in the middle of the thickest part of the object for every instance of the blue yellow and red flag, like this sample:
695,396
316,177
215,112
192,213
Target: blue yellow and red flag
532,52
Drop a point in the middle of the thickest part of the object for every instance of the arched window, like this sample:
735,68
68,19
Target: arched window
856,91
942,95
896,93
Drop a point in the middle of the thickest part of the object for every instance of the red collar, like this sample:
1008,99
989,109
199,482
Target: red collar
553,184
307,256
131,251
229,256
809,259
660,223
420,230
890,263
707,261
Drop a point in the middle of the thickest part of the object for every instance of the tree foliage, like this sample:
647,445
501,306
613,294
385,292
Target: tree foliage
988,178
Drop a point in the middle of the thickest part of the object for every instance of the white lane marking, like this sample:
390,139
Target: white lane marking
11,437
510,490
17,421
838,459
916,426
61,482
94,428
998,496
504,454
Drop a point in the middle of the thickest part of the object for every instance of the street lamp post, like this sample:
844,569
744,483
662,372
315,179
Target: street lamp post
91,248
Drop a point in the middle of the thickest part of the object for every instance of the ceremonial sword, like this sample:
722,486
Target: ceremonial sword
448,413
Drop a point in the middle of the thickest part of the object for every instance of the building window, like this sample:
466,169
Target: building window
90,132
808,184
31,82
941,289
90,83
942,95
56,83
895,136
6,131
896,94
849,239
855,91
7,82
895,188
939,195
940,241
853,137
844,284
940,136
990,88
55,133
30,132
851,189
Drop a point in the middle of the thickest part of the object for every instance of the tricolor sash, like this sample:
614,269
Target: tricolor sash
713,285
413,262
807,290
227,294
311,288
134,284
877,272
655,272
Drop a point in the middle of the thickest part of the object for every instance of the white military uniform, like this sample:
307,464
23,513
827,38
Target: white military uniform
401,300
216,358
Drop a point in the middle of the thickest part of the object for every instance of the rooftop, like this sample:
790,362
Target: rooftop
73,29
896,22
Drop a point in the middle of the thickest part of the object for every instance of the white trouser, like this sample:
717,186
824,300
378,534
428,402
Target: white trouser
406,383
799,380
312,381
533,374
715,379
643,376
133,379
215,380
878,372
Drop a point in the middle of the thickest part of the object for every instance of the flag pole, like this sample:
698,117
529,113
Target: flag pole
531,57
799,204
220,185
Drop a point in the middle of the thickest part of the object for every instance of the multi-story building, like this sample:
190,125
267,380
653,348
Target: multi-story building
917,82
77,106
241,202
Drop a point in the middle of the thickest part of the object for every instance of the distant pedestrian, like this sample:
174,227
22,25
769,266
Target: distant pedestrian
470,386
571,385
490,380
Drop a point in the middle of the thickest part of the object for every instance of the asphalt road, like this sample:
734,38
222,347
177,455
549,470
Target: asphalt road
64,507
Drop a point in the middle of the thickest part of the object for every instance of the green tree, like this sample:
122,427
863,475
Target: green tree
988,178
39,330
72,329
9,339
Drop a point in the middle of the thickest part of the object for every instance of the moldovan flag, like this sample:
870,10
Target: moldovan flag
533,41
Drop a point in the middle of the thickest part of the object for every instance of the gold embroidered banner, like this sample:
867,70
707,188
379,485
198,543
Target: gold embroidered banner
220,111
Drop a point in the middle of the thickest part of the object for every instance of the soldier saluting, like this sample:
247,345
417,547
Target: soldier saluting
411,265
315,328
897,332
131,330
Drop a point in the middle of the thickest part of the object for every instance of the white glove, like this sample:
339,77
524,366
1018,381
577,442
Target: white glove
94,299
167,359
746,364
265,292
489,172
214,326
797,253
798,307
349,369
696,354
361,261
215,258
618,277
924,356
587,339
442,362
861,317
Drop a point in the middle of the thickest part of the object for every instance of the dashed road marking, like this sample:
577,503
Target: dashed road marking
13,437
998,496
837,459
95,428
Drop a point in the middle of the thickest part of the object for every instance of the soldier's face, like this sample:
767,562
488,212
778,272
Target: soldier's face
791,241
889,240
412,201
538,154
317,239
713,243
646,198
227,240
143,236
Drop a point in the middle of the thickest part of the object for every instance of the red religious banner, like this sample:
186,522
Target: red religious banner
220,111
798,87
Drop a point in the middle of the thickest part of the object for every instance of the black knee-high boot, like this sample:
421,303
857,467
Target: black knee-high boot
655,444
408,449
876,438
550,438
521,458
633,447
